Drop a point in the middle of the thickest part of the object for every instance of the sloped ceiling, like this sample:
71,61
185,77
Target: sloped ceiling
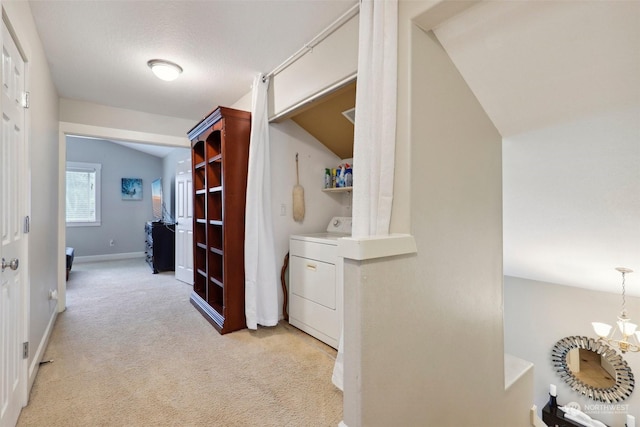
561,82
324,120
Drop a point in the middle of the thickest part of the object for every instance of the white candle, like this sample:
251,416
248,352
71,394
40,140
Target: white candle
631,421
552,390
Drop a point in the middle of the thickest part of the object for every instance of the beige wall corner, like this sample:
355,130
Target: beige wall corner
88,113
425,331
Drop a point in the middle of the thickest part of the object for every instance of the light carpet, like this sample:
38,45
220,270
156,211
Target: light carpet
130,350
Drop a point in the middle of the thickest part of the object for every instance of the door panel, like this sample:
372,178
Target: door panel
184,226
12,189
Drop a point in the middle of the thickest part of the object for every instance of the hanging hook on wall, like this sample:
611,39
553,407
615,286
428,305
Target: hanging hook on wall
298,197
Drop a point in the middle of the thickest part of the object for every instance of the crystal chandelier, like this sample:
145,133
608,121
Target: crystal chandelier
609,335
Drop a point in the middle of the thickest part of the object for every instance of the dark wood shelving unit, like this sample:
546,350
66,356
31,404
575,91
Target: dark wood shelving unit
220,154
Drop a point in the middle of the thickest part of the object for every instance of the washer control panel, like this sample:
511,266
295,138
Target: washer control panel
340,224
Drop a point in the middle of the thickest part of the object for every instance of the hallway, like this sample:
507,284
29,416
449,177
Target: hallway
131,350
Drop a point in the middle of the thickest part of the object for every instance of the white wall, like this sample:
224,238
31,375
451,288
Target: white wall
42,124
244,103
539,314
121,220
331,62
74,111
432,341
431,345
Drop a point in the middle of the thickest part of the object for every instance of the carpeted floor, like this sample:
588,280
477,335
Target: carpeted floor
130,350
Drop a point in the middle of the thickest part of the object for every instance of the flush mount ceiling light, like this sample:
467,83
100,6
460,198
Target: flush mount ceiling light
627,329
165,70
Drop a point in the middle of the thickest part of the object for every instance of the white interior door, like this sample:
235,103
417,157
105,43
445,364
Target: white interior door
12,190
184,223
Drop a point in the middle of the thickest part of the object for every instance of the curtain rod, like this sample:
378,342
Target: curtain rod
353,11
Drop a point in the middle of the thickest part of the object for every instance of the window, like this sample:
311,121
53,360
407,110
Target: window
83,194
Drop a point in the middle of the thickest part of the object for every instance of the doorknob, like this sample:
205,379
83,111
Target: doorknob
13,264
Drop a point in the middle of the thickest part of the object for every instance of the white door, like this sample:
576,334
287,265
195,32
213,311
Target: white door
184,223
12,196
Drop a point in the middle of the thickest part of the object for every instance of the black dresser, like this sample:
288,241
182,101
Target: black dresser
160,246
555,417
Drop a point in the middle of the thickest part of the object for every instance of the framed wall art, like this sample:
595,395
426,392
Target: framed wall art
131,189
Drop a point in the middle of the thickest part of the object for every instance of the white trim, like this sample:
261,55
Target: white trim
78,129
62,223
107,257
342,424
514,369
42,347
371,247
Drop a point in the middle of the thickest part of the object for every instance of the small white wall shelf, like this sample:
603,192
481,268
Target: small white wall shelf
338,190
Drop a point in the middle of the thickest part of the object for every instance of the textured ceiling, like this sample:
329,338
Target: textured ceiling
98,50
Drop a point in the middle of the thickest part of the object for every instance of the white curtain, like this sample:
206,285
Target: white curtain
375,127
261,277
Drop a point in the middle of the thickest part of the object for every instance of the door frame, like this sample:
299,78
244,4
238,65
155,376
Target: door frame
82,130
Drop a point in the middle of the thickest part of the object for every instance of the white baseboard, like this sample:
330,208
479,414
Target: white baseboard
37,357
108,257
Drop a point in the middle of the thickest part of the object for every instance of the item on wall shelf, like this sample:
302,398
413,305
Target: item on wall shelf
298,197
348,177
627,329
338,178
131,189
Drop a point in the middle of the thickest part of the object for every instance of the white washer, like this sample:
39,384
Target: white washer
316,281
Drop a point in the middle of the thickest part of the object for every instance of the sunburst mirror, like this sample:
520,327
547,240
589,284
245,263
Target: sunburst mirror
593,369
